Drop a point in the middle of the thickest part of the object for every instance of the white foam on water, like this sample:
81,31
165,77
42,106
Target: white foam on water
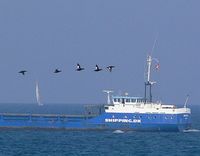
191,130
118,131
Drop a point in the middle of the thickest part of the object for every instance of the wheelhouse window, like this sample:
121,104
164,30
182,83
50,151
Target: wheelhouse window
140,100
106,107
133,100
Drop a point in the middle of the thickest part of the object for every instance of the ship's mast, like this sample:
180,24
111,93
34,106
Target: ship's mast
186,101
108,98
148,82
149,60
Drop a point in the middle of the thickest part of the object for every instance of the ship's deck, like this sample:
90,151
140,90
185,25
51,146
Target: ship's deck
47,115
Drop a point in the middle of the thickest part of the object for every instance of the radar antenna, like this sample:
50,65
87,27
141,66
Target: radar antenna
108,98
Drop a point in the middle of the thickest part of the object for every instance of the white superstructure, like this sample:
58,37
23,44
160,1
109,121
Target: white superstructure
138,105
125,104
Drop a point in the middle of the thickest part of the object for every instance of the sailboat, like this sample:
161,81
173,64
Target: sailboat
37,92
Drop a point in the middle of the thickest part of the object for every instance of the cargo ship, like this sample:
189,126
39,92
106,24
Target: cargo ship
120,113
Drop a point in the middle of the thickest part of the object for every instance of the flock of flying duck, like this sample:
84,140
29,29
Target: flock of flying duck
78,68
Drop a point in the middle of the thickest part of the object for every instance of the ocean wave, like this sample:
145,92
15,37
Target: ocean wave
191,130
118,131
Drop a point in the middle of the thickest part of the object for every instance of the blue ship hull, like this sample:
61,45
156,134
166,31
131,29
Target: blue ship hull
104,121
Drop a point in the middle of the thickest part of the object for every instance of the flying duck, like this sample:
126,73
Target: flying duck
78,68
22,72
110,68
57,71
97,69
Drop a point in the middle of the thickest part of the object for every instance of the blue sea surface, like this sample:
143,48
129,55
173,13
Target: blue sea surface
14,142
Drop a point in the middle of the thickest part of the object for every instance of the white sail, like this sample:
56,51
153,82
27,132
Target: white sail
38,95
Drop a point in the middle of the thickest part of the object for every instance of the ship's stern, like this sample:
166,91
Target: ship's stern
184,119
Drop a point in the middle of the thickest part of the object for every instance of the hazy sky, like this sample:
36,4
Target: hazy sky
41,35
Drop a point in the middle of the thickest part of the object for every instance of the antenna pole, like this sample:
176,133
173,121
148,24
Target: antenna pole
154,44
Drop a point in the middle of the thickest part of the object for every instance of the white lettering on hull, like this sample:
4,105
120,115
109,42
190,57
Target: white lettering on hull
124,120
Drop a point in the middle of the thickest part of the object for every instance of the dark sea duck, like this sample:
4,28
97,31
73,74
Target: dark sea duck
22,72
57,71
79,68
121,113
97,69
110,68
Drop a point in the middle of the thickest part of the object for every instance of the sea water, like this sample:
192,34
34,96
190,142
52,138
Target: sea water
25,142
